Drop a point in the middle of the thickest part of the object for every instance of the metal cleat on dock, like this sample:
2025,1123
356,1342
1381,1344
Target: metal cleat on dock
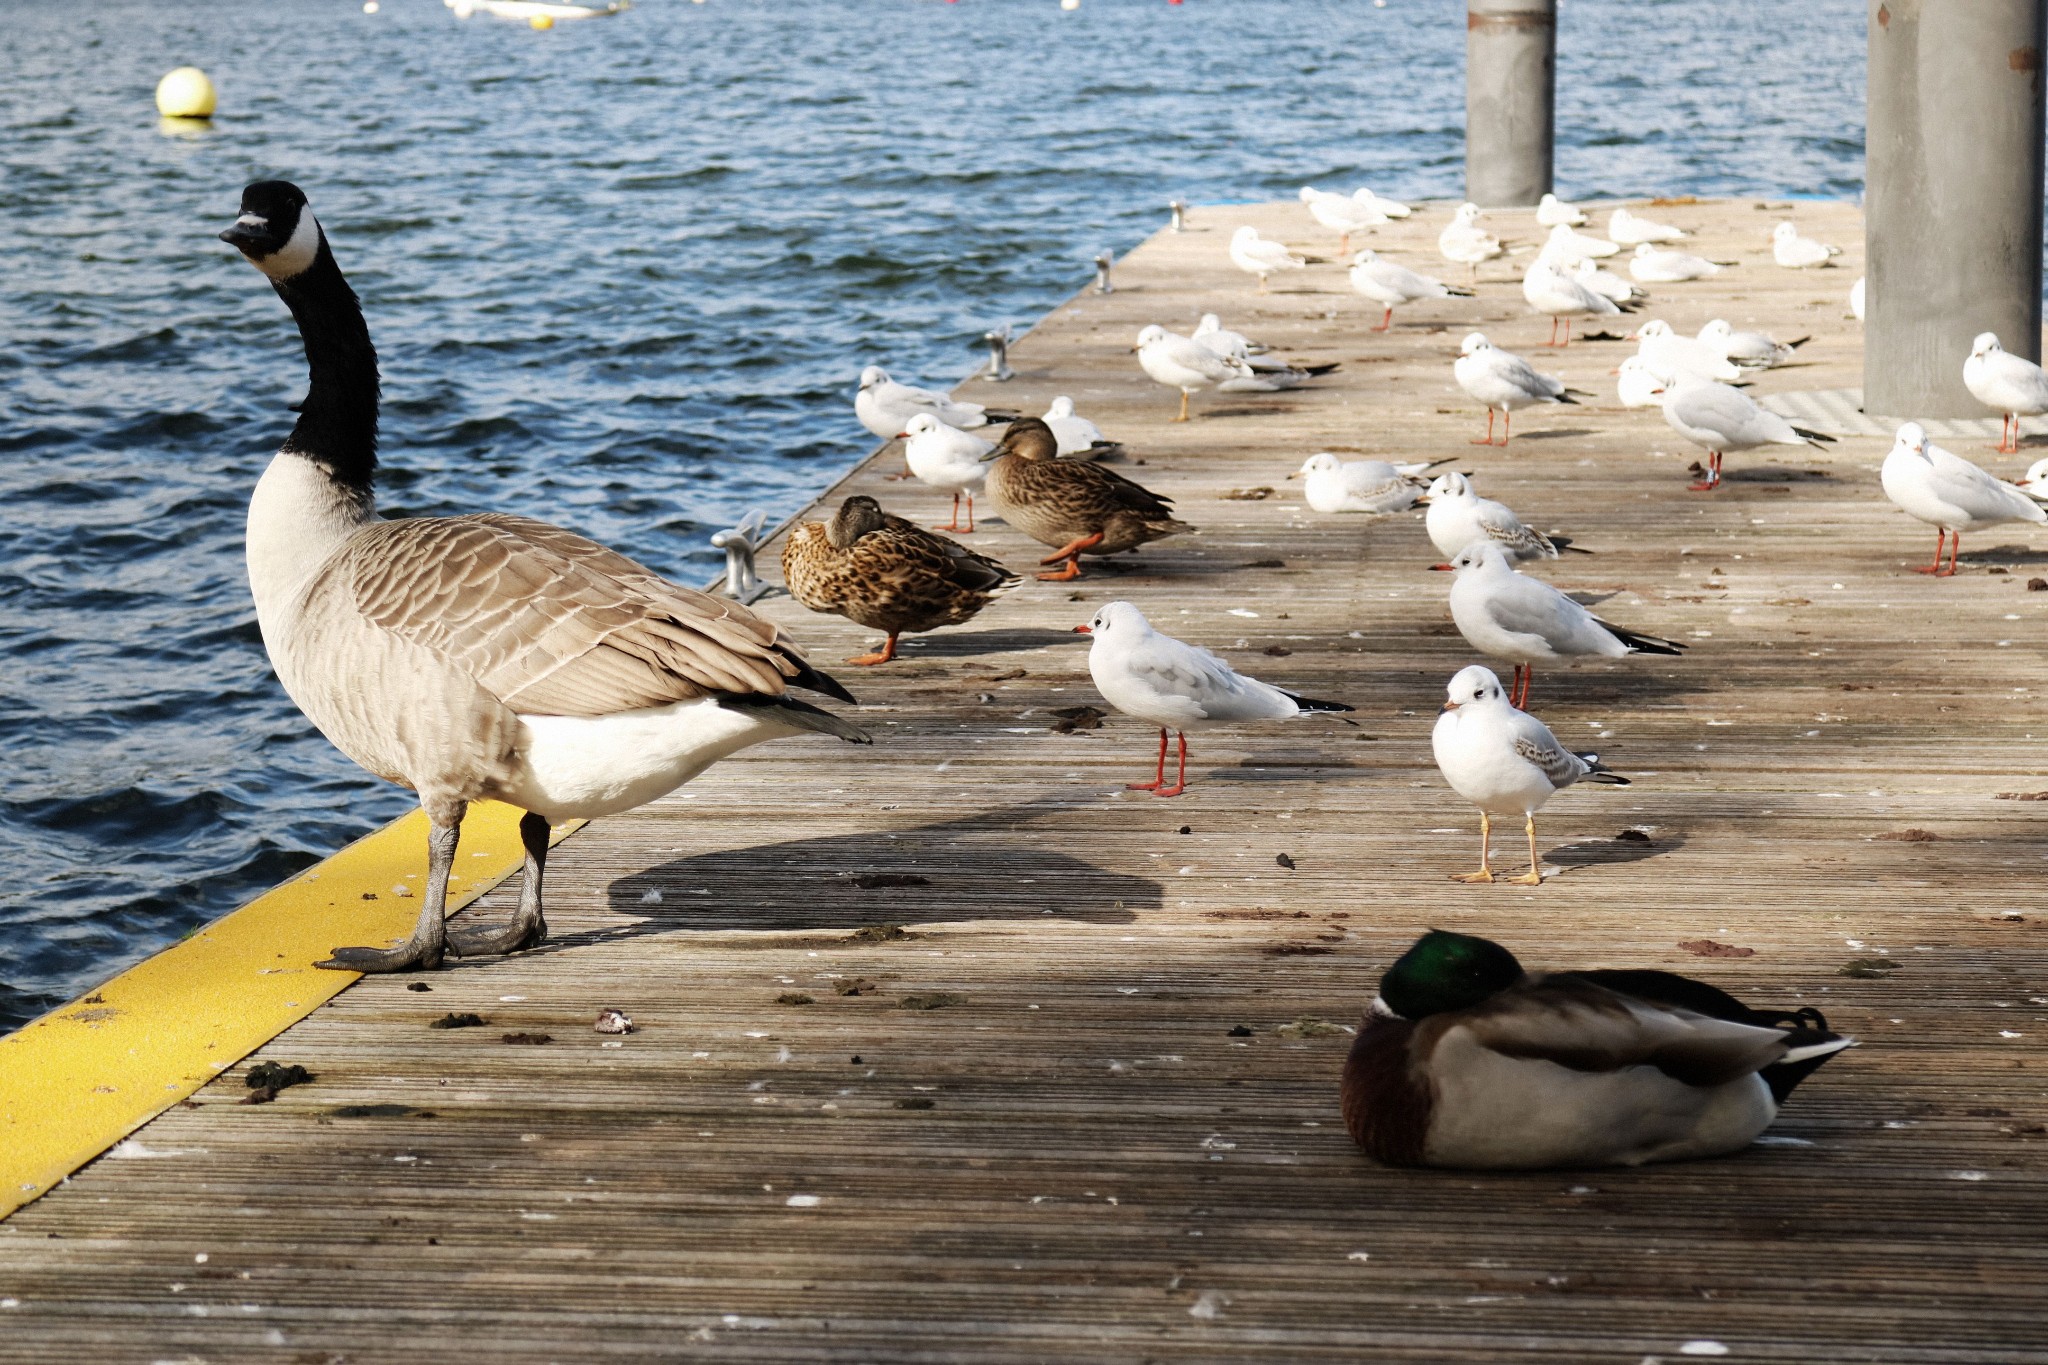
998,342
1179,209
740,544
1102,265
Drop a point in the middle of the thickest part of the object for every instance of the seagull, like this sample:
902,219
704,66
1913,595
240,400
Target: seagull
1186,364
1341,213
1373,486
1555,212
1391,285
1465,1061
1458,516
1568,248
2007,383
1950,494
885,407
1682,357
1627,229
948,459
1255,255
1465,243
1211,332
1748,350
1509,615
1387,207
1176,686
1657,265
1076,434
1504,761
1641,385
2036,482
1719,419
1501,379
1607,284
1267,375
1856,295
1795,252
1549,289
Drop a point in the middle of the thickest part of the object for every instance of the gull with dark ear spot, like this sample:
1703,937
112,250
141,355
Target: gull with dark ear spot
1466,1061
479,657
1950,494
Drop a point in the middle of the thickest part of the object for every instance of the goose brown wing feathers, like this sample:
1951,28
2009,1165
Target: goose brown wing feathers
552,623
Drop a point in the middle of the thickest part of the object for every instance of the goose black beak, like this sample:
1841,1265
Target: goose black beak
246,237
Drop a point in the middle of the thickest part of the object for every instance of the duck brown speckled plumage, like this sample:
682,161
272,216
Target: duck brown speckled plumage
1071,505
887,574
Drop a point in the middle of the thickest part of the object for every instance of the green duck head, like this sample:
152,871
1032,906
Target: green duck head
1444,972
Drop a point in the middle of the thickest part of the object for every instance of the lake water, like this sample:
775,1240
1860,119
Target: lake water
622,276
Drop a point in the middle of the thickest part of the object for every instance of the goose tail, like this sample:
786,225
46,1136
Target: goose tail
799,715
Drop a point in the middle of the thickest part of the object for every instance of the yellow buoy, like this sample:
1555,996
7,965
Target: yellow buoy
185,93
542,21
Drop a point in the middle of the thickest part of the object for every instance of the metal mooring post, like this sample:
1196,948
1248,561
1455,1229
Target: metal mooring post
1510,97
740,544
1952,212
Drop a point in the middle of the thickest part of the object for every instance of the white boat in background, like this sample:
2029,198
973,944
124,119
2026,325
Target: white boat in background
528,10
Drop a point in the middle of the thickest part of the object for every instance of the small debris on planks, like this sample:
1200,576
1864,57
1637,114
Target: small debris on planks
459,1021
1706,947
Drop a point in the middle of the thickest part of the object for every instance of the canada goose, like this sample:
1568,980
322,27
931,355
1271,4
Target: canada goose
482,656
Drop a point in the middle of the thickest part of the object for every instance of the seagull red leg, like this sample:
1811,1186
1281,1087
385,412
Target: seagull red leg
1181,783
1955,546
1489,431
1386,320
1940,542
954,524
1159,780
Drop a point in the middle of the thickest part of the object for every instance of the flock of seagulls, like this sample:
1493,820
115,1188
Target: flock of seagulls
493,656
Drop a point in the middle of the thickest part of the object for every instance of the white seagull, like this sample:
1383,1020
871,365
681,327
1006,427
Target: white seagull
1749,350
1341,213
1628,229
1568,248
1641,385
1856,296
948,459
885,407
2006,383
1607,284
1555,212
1503,381
2036,482
1682,357
1333,485
1076,434
1549,288
1458,516
1504,761
1660,265
1388,207
1269,375
1465,243
1719,419
1795,252
1509,615
1390,285
1183,363
1950,494
1175,686
1255,255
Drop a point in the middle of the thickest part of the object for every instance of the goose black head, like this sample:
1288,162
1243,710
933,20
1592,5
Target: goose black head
276,230
857,516
1444,972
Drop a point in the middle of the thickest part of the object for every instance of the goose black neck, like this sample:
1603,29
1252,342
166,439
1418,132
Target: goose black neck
337,426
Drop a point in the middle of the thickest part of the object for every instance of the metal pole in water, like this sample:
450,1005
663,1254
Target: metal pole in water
1952,212
1510,97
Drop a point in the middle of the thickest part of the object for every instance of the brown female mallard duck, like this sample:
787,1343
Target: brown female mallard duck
886,573
1071,505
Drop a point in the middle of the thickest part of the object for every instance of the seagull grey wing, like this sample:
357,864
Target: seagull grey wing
1216,690
1529,606
530,613
1559,765
1523,375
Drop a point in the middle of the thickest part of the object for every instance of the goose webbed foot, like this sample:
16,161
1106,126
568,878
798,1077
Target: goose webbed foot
486,940
409,956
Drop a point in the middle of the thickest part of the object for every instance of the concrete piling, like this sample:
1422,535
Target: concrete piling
1510,97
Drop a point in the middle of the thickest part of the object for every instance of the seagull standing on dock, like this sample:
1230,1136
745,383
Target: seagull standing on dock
1177,687
1391,285
1371,486
1504,381
885,407
1504,761
1464,242
1719,419
1341,213
1950,494
1795,252
1256,255
2006,383
1660,265
947,459
1186,364
1549,289
1458,517
1508,615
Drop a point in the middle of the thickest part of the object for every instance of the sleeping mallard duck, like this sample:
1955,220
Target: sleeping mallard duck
1071,505
886,573
1466,1061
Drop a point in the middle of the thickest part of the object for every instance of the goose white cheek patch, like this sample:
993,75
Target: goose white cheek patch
296,254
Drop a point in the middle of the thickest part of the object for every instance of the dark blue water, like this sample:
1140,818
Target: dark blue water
622,275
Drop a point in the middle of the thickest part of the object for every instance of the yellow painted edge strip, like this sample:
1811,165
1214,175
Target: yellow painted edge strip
78,1080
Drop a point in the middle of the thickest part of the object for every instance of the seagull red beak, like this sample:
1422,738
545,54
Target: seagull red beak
1083,630
1450,706
1440,568
902,435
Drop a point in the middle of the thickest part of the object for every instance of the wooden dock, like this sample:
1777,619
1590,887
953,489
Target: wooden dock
953,1050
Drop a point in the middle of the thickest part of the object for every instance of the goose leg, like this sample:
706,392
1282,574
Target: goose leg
1940,542
528,926
429,941
1180,783
1534,876
1159,779
1485,872
1071,553
880,656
